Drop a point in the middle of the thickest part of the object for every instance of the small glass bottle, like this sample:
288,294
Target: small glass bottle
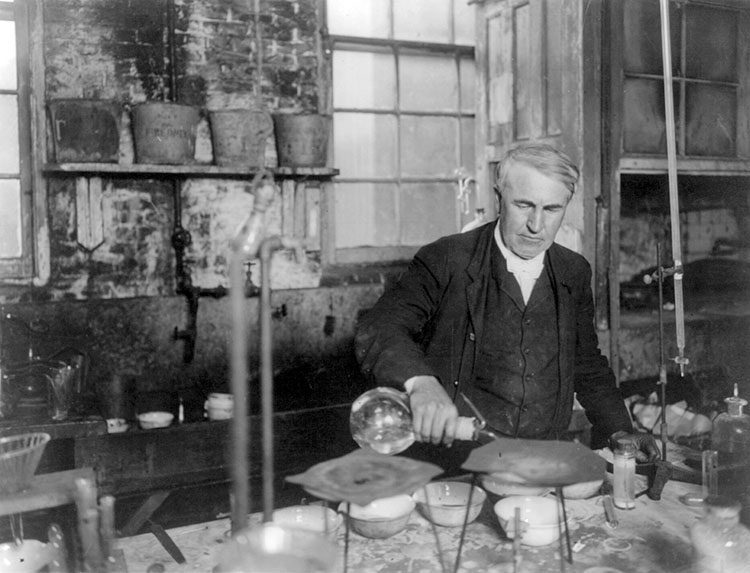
721,544
730,434
623,475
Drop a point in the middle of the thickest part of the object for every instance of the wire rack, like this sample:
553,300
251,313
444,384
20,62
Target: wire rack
19,458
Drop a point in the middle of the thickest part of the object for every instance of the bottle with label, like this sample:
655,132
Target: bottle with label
721,544
623,475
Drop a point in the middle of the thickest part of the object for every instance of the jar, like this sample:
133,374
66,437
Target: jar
721,544
623,475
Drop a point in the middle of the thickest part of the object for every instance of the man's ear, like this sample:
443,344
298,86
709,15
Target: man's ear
498,196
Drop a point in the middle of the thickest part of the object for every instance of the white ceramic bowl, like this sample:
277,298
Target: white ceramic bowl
314,518
151,420
117,425
499,486
446,502
30,556
582,490
380,518
541,518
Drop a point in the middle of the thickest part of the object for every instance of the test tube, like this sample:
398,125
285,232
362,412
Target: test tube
710,473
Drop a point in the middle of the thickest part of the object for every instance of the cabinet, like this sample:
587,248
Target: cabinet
587,76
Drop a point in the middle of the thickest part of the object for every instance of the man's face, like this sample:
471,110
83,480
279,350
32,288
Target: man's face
532,207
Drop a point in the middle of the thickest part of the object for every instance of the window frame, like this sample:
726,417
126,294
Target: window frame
33,264
390,253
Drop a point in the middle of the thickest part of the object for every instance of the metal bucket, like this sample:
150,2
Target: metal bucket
302,139
239,136
85,130
164,133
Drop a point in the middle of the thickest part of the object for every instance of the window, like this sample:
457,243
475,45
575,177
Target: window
704,45
403,122
19,174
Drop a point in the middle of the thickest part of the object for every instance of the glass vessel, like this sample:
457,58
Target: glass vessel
623,475
721,544
730,435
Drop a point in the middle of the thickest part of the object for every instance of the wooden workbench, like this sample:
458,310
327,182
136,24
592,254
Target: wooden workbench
652,538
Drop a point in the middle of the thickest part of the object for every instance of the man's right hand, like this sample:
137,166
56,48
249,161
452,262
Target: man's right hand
434,414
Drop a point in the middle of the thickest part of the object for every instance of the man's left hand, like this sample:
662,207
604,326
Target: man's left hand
646,450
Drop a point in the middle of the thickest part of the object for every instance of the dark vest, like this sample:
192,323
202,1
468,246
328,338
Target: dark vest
517,366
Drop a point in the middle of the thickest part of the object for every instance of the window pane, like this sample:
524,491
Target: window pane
428,83
366,214
642,33
9,153
468,85
644,128
467,144
429,146
364,80
365,145
422,20
711,50
554,66
10,222
464,18
8,73
428,212
367,18
710,120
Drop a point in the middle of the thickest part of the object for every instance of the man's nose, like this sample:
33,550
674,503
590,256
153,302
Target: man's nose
535,221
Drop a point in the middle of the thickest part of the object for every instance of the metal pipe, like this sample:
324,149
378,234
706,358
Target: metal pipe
245,245
267,247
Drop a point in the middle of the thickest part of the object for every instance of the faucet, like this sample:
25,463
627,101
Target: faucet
250,243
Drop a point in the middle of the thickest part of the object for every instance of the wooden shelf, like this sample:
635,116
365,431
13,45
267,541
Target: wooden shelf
194,170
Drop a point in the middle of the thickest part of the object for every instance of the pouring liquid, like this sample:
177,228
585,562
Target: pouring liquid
381,420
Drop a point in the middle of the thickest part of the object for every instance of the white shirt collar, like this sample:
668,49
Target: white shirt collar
531,267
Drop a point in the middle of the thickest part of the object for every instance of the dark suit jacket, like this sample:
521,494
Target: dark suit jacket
431,323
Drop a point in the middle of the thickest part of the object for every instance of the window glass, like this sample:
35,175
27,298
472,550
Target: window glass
710,120
9,154
366,214
711,47
428,209
428,83
422,20
467,74
365,145
365,18
8,73
464,20
10,222
429,146
375,87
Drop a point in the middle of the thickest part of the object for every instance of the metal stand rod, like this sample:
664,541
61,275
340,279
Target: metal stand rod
674,201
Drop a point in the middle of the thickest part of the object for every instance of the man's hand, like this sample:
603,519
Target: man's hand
646,450
434,413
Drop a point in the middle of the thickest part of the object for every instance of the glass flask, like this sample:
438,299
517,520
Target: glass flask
381,420
721,544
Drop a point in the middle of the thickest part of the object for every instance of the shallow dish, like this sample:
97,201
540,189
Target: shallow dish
151,420
541,519
446,502
380,518
309,517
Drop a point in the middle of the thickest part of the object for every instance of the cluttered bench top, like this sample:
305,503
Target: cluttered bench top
652,537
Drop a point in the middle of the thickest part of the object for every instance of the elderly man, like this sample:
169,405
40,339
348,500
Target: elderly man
503,315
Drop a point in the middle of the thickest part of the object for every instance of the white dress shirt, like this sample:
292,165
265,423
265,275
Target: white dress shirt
526,271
